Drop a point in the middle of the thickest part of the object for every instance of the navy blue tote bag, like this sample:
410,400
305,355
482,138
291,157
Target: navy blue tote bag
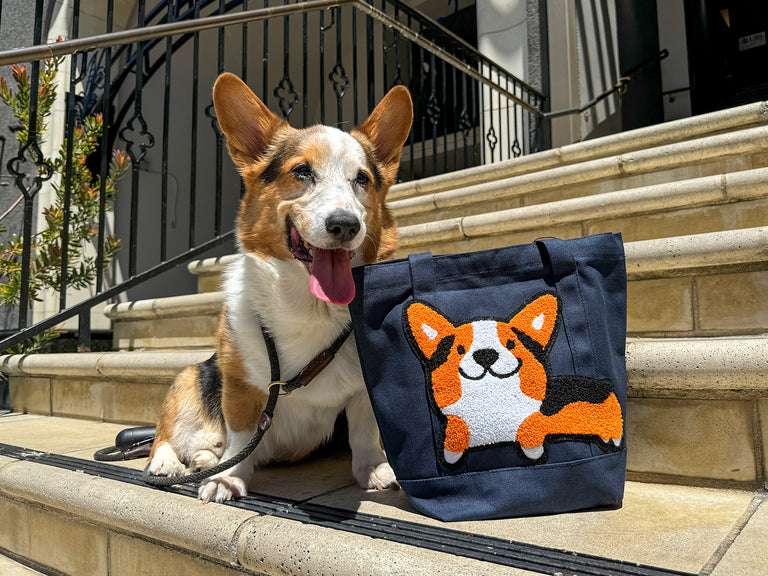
498,377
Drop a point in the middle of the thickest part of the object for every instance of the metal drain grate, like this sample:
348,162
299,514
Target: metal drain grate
485,548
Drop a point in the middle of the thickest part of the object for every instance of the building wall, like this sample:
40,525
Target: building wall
563,70
674,68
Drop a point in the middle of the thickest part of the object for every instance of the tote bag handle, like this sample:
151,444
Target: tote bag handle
422,274
557,258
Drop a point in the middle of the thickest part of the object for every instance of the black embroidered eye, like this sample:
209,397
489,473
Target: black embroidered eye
362,179
461,350
510,344
302,172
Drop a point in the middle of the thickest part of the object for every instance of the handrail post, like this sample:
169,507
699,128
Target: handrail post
84,331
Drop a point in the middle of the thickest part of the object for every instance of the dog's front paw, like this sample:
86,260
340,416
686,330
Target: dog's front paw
376,477
165,463
221,489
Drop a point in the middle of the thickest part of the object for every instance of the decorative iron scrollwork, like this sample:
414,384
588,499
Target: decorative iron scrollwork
324,28
29,187
433,110
92,76
210,113
338,78
492,139
132,137
465,123
287,96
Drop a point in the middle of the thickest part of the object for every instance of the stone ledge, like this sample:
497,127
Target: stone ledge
660,134
730,250
740,249
211,265
188,305
688,367
645,161
103,364
229,536
723,367
659,198
86,523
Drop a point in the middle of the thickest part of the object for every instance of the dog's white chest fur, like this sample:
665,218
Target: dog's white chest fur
275,292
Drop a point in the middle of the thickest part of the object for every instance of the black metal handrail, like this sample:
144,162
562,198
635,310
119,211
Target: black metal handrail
469,111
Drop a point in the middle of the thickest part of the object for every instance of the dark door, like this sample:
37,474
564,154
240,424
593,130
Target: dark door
727,52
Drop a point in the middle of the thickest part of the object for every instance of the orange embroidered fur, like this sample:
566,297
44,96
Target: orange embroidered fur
490,381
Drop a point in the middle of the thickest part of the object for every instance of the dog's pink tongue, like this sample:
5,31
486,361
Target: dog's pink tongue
330,277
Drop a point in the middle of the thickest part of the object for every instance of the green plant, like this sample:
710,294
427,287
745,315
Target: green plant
84,187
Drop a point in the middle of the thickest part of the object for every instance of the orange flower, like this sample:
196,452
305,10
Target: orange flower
19,73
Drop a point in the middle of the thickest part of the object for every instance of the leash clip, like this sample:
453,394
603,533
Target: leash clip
264,422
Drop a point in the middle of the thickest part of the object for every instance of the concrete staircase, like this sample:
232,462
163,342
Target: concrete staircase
691,200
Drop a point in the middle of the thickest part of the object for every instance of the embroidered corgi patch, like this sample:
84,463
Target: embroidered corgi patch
490,381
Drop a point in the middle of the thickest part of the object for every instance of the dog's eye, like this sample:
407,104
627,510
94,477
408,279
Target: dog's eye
461,350
510,344
362,179
302,172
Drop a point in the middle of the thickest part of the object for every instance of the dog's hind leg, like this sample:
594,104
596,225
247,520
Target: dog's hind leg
164,462
180,414
242,404
204,459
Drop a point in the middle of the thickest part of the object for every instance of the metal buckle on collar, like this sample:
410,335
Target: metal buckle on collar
279,383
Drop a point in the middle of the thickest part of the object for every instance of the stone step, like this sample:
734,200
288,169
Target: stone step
658,135
697,412
110,386
707,204
729,152
186,322
208,272
678,286
68,515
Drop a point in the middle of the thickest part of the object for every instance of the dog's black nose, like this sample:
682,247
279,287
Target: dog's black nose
342,225
485,357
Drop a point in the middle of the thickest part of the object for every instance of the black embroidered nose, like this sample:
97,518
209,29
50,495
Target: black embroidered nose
342,225
485,357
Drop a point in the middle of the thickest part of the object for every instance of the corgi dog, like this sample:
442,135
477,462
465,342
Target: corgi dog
490,382
314,206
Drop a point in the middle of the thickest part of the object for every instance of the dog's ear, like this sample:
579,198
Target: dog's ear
538,319
387,128
427,329
244,119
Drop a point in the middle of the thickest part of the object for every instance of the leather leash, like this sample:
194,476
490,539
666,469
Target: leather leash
304,377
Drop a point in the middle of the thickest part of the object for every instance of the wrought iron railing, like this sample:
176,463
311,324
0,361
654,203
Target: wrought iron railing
318,61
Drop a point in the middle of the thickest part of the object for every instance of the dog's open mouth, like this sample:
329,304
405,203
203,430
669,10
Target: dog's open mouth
330,271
